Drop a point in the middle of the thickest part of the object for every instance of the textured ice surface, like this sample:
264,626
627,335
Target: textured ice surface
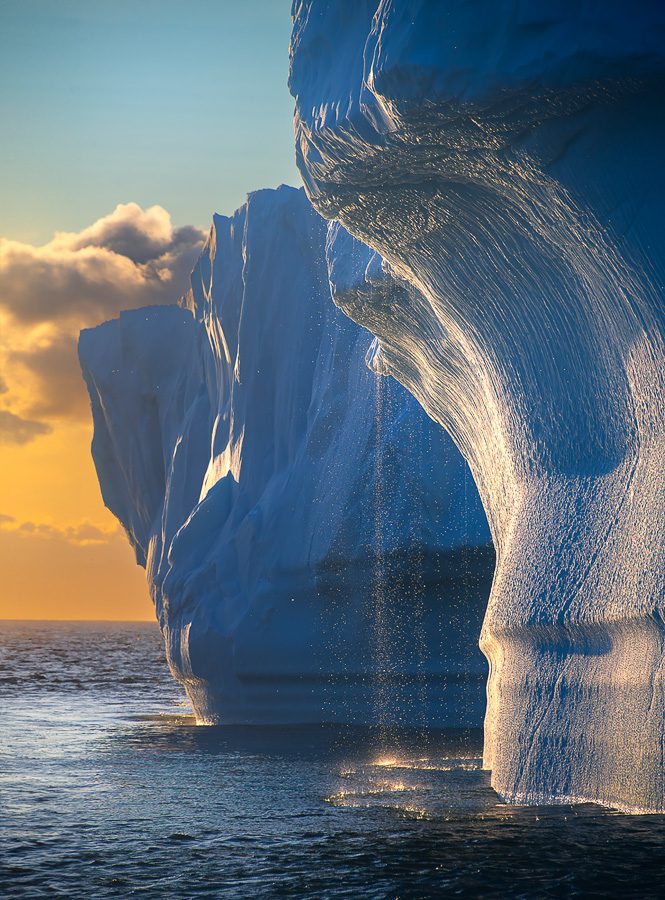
505,160
314,543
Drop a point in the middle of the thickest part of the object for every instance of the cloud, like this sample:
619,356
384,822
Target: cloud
82,534
140,235
131,257
57,388
17,430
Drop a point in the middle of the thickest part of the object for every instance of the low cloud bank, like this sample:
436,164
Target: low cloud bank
81,534
17,430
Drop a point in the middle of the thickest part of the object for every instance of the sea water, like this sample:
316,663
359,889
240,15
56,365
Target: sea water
108,788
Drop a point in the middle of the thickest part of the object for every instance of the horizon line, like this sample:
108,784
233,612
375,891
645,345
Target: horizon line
105,621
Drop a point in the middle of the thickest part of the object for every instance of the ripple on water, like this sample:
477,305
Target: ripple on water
110,790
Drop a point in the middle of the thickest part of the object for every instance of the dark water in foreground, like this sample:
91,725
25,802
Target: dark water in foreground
108,789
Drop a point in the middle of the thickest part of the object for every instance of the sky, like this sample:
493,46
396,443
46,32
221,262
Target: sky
125,126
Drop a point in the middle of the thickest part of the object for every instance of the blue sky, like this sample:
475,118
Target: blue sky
182,103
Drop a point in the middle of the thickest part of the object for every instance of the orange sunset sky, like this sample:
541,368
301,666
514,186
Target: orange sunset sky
63,556
123,123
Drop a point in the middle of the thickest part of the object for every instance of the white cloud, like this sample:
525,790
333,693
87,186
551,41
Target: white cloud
131,257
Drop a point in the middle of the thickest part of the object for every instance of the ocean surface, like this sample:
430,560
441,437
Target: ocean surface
109,789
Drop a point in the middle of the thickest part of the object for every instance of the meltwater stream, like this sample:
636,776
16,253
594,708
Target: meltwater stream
109,790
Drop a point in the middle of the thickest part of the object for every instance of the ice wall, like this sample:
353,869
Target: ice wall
505,160
314,544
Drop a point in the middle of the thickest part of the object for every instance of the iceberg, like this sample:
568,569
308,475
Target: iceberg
314,544
504,161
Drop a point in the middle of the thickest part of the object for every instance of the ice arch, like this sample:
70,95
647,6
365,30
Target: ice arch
504,159
238,441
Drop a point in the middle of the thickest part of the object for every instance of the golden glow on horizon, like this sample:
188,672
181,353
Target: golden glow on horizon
74,563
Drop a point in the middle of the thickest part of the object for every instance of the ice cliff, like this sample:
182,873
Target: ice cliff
314,544
505,160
